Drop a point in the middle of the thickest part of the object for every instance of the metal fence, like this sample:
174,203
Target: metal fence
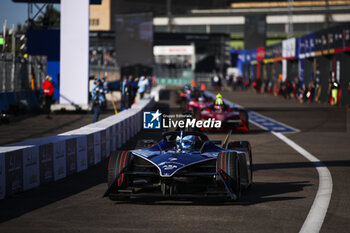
204,77
110,72
15,72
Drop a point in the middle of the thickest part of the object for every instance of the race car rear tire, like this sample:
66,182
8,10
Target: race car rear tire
118,162
246,147
228,162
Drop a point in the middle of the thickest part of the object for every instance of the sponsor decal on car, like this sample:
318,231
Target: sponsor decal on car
169,167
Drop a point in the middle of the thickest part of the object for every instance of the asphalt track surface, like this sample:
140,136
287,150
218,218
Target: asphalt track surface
285,183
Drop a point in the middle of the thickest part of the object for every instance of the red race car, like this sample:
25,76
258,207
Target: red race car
231,118
196,105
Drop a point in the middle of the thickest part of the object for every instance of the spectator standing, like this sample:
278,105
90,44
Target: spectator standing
130,91
125,87
133,87
216,82
333,91
48,94
318,89
97,99
104,84
296,86
234,82
312,88
150,84
142,85
154,80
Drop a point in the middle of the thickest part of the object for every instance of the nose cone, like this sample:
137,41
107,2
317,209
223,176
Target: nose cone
170,163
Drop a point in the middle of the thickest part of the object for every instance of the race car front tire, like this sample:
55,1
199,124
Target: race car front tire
246,147
228,162
118,162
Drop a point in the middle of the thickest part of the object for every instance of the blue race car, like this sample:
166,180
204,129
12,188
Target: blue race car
183,164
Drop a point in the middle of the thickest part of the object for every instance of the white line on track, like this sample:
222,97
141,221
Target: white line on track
317,213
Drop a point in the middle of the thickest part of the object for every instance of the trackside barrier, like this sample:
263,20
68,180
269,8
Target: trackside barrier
29,98
28,164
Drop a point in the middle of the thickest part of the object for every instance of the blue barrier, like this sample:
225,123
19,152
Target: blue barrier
33,100
31,97
4,106
11,98
23,97
8,99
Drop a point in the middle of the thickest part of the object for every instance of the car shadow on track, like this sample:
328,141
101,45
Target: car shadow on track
177,202
260,192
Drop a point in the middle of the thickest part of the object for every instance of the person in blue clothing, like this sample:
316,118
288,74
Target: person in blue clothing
98,98
104,84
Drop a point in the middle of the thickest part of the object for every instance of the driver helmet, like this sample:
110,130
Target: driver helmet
185,144
219,100
218,108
